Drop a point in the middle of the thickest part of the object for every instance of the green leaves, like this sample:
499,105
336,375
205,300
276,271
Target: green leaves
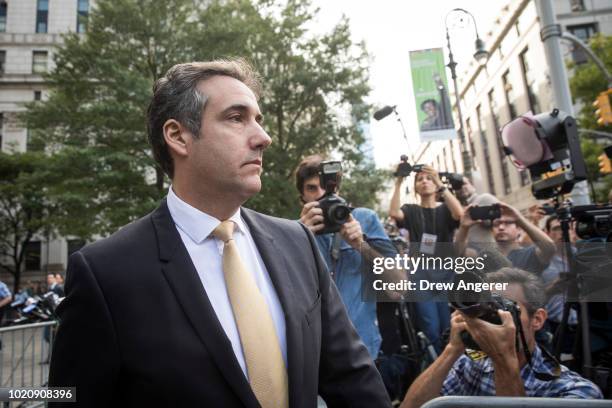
93,124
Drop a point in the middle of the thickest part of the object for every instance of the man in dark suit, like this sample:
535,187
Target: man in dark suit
203,302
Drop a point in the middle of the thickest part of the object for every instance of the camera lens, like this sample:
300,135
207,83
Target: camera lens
339,213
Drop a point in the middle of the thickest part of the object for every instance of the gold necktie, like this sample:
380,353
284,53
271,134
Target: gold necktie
260,345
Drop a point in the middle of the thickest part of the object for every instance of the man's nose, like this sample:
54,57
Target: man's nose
260,139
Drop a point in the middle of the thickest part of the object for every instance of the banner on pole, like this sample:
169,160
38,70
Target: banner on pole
431,95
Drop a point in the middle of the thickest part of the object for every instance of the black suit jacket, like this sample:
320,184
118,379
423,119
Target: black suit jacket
137,328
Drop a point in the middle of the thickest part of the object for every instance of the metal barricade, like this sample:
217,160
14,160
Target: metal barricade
514,402
25,354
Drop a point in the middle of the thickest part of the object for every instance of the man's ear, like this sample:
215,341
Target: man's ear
176,136
538,319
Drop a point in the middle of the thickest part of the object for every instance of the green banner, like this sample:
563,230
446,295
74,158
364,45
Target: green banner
431,95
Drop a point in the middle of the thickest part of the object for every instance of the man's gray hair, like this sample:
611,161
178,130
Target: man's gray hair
533,287
176,96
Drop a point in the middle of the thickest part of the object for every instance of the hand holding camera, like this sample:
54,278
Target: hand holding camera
471,216
312,216
457,326
404,168
497,340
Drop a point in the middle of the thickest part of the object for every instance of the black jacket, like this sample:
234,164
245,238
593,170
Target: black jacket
137,328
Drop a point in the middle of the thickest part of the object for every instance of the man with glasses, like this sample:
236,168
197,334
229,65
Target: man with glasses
506,231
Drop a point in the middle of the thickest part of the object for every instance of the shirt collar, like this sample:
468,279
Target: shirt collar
197,224
537,361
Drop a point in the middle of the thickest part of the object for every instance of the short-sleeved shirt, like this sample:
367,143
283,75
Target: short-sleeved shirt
437,221
477,378
527,259
348,275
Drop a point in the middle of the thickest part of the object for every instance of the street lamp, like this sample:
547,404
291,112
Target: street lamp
481,56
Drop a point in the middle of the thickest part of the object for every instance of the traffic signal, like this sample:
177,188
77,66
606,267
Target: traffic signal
605,164
603,108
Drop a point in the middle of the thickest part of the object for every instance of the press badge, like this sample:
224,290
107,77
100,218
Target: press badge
428,243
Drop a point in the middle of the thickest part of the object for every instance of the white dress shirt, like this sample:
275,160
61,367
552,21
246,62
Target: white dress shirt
206,253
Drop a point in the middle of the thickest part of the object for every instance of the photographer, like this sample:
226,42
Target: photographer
506,231
360,239
479,235
431,226
505,371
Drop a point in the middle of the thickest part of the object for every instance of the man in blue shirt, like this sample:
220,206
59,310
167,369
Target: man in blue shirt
361,239
505,370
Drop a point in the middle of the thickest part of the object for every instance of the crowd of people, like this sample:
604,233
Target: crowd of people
205,302
529,255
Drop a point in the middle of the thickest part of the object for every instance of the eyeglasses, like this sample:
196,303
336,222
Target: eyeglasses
497,223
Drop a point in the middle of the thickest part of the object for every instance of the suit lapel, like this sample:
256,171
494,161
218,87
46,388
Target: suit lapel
278,268
189,291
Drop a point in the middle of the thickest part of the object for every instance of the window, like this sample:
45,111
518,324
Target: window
82,15
485,150
39,62
42,16
524,177
503,163
32,256
2,61
452,154
509,94
3,8
577,5
583,32
470,136
37,95
529,82
517,28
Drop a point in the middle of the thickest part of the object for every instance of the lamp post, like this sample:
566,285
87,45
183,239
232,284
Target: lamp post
481,56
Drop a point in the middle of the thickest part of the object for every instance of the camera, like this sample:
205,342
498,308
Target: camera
404,168
593,221
548,145
336,210
485,212
454,180
483,305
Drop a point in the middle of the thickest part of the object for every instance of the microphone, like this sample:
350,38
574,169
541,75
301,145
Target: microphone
384,112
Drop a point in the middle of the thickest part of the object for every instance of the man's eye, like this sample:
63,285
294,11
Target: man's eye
236,118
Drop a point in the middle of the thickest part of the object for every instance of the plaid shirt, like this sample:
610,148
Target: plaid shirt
4,291
476,378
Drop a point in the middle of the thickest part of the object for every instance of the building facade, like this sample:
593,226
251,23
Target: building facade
514,80
30,30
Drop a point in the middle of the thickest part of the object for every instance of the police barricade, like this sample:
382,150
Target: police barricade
514,402
24,356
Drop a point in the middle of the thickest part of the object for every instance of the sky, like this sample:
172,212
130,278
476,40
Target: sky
392,28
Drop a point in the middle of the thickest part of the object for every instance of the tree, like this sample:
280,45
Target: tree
101,85
314,90
586,83
25,211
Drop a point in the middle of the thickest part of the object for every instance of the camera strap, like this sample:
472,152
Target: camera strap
556,372
335,253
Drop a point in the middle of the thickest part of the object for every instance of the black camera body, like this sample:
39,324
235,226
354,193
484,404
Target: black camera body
487,311
455,180
485,212
483,305
404,168
336,210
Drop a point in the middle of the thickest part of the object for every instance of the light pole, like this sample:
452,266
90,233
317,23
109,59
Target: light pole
481,56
